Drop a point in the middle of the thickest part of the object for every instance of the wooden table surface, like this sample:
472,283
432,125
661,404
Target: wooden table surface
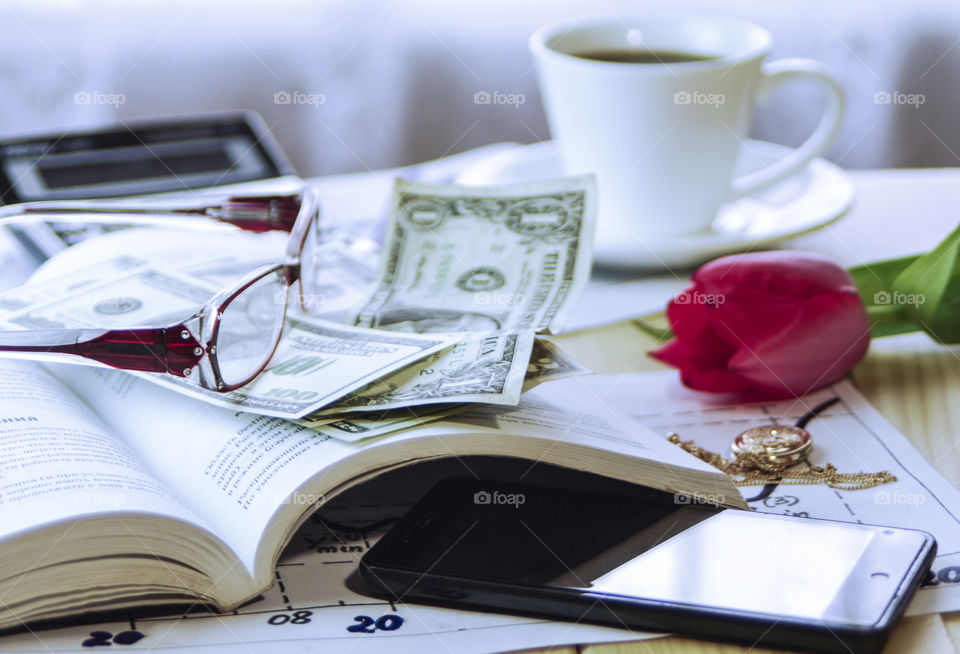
912,381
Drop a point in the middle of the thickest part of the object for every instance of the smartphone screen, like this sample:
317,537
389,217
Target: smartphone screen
654,546
741,561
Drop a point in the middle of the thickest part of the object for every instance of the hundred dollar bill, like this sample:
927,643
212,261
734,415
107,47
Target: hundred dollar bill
17,299
460,258
318,362
487,368
315,364
346,263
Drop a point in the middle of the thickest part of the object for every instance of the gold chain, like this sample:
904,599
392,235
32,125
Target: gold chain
750,469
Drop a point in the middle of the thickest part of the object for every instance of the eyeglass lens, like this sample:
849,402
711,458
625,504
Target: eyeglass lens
249,329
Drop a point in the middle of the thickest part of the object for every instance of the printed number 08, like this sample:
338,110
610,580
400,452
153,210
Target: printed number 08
299,617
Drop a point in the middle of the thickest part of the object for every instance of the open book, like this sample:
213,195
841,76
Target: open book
118,494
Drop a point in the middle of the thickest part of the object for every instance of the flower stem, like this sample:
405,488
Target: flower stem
660,335
889,320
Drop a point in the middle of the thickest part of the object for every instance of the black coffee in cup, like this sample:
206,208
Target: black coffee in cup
629,56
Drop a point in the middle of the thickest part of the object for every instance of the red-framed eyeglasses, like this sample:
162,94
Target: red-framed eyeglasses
230,340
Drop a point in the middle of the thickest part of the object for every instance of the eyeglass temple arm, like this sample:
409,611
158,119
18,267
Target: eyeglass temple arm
252,213
171,349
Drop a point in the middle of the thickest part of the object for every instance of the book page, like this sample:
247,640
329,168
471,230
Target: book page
234,469
59,461
575,411
569,409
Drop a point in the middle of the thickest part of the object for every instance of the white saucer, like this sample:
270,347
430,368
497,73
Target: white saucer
813,198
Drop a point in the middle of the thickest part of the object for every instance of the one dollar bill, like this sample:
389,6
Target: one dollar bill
461,258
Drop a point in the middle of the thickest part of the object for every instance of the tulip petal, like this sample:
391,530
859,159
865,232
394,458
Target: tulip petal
785,273
702,366
827,336
688,318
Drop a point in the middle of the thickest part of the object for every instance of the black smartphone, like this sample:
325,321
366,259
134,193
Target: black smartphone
652,561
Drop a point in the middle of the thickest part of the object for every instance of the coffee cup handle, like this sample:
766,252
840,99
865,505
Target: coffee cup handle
776,73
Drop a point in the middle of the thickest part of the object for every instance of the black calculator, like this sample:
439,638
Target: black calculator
170,156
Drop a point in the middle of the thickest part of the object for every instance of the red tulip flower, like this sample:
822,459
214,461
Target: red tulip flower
782,323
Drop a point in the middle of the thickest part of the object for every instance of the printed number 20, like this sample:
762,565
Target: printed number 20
367,625
103,638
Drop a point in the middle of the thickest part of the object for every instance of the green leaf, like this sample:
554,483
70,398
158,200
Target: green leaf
875,278
874,284
928,290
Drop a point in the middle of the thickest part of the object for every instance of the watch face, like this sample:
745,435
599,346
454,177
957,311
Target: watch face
778,444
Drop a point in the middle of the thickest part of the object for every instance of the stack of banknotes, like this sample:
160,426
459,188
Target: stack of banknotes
450,312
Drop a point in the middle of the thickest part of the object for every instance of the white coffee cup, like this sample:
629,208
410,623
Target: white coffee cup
663,138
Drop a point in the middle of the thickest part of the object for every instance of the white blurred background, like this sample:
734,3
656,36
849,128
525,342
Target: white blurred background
352,85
